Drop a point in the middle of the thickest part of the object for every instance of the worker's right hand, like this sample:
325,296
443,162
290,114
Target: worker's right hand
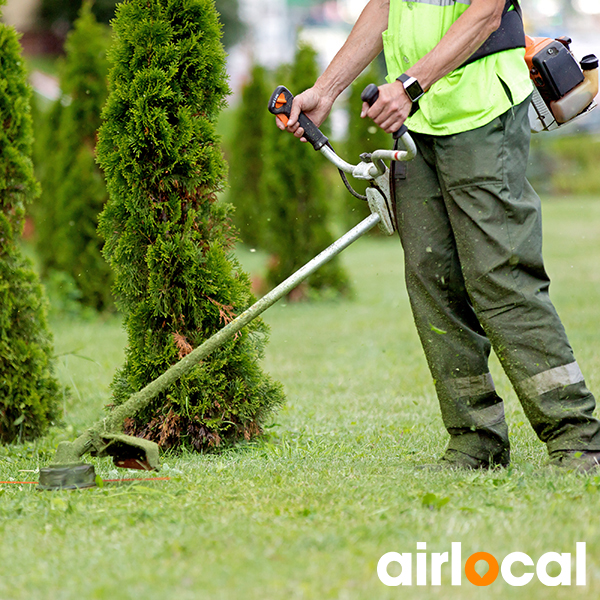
314,104
391,108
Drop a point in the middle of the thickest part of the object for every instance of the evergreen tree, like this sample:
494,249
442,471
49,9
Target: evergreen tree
28,391
247,159
73,189
363,136
59,14
168,240
295,189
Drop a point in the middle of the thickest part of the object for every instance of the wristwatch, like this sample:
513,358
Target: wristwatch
413,90
412,87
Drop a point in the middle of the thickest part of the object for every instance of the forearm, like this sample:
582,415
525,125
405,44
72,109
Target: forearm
463,38
362,46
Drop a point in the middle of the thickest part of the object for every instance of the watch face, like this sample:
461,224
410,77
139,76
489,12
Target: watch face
414,90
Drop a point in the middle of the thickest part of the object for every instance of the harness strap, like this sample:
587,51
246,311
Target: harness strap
508,36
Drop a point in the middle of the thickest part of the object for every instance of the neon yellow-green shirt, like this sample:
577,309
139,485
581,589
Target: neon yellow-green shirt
470,96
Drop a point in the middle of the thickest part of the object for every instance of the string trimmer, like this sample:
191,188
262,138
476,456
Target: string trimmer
105,437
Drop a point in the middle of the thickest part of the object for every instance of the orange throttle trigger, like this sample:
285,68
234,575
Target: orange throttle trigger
280,104
282,101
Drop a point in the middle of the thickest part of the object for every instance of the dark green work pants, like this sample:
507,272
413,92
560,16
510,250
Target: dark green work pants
470,226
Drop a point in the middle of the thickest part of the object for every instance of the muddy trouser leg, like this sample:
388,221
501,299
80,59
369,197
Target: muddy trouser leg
487,218
454,342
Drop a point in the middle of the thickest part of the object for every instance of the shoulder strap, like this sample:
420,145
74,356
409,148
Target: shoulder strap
509,35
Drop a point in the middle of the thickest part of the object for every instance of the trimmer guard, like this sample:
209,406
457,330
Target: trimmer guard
128,452
378,199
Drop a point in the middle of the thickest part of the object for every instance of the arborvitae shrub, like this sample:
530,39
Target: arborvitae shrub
47,124
246,165
167,238
73,188
29,394
297,196
363,136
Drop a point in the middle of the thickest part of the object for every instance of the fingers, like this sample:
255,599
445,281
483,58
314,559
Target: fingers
390,110
292,128
392,124
297,107
279,124
313,104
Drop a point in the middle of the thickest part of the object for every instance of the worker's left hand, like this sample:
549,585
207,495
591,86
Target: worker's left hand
391,109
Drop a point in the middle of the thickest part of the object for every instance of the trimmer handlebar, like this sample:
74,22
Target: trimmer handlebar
371,165
280,105
370,95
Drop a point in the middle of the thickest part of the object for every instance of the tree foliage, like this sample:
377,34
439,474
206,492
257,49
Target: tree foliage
73,188
295,188
168,239
28,391
248,158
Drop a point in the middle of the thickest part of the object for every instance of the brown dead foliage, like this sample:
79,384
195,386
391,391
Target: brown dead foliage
251,430
226,311
167,431
183,346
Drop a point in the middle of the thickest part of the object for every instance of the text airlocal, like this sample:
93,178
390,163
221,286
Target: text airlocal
429,572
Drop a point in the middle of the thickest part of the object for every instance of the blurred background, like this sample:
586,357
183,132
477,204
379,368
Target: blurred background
266,42
268,31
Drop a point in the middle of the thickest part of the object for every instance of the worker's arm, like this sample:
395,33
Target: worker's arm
362,46
463,38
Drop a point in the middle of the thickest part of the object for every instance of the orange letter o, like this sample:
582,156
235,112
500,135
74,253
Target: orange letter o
473,576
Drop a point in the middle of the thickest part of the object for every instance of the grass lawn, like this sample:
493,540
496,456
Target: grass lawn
308,510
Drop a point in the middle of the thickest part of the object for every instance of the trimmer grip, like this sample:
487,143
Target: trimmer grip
280,105
370,95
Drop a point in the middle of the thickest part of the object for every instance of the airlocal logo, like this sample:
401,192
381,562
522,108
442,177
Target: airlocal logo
494,568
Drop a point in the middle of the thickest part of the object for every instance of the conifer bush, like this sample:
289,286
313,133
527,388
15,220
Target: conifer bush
168,239
298,199
73,188
247,160
29,393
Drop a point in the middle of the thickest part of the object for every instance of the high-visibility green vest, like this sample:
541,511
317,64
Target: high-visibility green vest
470,96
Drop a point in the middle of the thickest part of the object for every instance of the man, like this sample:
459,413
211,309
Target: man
469,223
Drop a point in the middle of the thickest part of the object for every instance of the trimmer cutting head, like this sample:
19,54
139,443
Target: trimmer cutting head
127,452
67,477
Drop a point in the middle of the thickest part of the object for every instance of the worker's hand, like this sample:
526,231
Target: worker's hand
315,105
391,109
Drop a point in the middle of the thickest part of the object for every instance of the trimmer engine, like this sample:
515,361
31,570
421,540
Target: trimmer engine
564,89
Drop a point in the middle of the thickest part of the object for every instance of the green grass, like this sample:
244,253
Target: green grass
307,511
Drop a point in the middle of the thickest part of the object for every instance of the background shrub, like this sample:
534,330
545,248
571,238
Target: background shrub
247,159
298,197
29,394
73,188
